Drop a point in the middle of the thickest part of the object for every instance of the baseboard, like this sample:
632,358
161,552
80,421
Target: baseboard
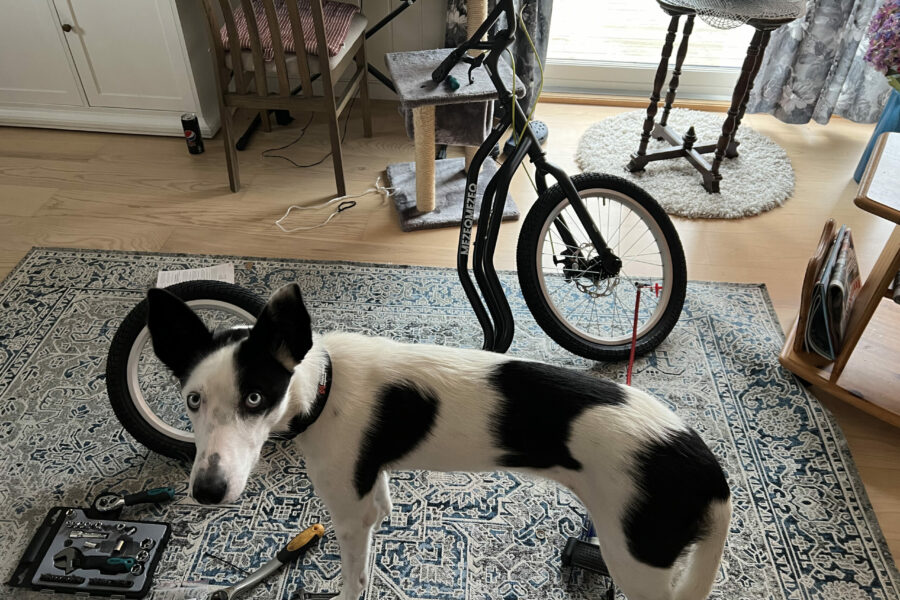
110,120
628,101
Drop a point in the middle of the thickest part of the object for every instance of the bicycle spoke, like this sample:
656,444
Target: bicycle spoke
605,310
652,242
644,262
645,294
634,243
634,281
625,310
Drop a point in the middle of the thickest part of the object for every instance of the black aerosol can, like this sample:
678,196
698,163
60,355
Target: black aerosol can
191,127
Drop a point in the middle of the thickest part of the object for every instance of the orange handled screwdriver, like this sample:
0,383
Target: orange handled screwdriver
294,549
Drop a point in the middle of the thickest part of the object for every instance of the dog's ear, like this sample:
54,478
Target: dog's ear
284,329
180,338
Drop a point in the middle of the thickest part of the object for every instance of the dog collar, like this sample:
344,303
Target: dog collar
324,386
301,423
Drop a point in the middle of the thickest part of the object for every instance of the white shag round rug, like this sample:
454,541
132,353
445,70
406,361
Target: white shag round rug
758,180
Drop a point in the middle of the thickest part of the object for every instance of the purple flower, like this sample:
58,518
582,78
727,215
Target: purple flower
884,38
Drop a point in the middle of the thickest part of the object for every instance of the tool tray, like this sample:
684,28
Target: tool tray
36,570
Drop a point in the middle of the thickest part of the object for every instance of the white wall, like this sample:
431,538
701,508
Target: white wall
419,27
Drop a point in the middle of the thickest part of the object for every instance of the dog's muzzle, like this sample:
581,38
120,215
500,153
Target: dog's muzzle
210,485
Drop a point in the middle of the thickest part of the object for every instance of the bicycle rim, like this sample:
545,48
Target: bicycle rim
138,364
599,310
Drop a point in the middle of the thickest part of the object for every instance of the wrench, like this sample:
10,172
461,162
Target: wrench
70,559
109,502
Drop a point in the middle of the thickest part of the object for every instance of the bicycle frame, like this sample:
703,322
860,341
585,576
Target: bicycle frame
494,313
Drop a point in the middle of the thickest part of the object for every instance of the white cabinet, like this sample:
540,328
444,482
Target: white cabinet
35,67
124,65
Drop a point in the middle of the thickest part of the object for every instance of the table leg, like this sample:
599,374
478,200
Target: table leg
638,160
741,89
731,152
676,74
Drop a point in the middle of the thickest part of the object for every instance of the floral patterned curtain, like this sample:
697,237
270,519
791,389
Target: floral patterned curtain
537,18
814,68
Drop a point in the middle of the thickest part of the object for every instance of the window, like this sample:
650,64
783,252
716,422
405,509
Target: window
614,47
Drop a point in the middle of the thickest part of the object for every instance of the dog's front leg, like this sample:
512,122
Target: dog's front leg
382,495
353,519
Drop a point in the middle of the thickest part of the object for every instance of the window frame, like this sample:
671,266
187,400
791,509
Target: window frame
633,79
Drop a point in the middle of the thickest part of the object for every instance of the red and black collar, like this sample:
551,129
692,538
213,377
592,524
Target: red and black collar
301,423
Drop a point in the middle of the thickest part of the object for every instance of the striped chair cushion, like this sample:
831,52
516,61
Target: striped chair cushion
337,24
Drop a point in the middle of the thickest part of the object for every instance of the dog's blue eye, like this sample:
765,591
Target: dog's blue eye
253,399
193,400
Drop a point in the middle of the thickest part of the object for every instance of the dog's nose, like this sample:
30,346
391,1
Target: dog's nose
210,490
210,484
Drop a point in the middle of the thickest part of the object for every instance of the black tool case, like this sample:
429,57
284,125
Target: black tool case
72,527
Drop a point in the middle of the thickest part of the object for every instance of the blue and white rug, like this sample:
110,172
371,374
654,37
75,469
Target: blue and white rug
803,527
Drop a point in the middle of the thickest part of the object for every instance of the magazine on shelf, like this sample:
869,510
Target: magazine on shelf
896,294
833,294
844,287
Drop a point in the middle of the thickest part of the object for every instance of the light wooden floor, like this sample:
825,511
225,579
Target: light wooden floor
145,193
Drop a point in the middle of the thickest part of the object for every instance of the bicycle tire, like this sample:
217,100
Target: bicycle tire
124,404
530,267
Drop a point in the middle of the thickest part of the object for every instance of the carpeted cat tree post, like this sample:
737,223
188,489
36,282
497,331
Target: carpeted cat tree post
423,123
429,193
423,136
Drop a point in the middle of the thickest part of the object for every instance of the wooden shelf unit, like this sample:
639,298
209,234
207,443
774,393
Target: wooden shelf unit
866,372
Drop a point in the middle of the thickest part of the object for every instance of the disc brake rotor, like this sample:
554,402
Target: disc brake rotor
587,272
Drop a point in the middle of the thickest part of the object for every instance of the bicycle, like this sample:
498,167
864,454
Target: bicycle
574,279
565,276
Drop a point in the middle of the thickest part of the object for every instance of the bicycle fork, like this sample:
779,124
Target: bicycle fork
493,312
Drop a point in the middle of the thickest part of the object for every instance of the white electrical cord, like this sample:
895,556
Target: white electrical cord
344,204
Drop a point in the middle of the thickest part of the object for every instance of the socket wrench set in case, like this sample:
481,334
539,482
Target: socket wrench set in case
74,551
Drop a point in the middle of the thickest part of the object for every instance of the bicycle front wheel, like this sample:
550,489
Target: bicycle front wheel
583,307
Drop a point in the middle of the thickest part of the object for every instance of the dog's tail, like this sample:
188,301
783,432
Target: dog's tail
698,577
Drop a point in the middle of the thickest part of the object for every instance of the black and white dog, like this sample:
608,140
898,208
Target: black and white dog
362,405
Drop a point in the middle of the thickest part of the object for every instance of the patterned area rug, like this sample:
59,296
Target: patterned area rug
803,526
760,179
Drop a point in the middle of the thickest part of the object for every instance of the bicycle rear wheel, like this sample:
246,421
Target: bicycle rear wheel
585,310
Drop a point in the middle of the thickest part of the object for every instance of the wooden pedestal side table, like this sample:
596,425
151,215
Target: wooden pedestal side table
866,372
765,17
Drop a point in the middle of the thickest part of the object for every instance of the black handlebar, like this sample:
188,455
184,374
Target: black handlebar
501,41
443,70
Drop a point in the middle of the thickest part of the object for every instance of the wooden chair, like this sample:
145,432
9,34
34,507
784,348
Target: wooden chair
244,84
